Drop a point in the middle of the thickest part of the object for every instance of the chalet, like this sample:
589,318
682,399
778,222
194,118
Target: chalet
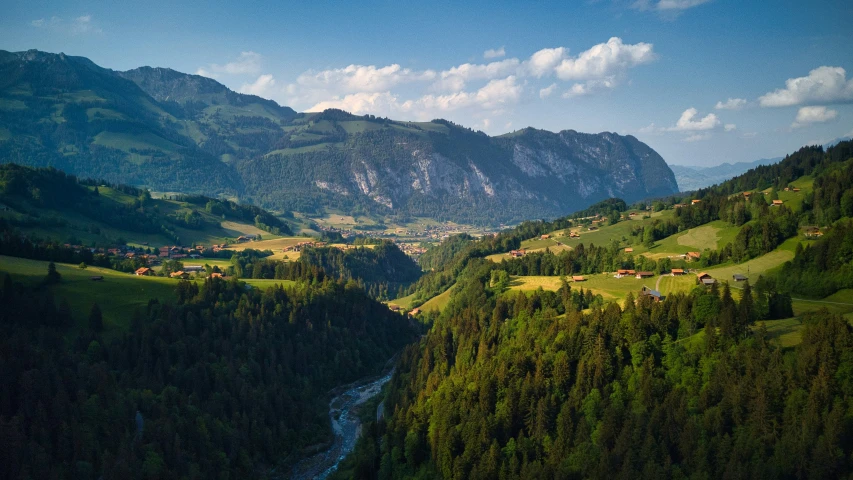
694,202
578,278
648,292
708,281
518,253
702,276
776,203
632,214
629,250
677,271
679,205
394,308
216,275
415,312
813,232
747,194
739,277
645,274
545,237
97,278
143,271
693,255
180,274
574,235
795,189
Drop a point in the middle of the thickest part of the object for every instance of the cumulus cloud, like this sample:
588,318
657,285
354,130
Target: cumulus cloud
689,123
263,86
731,104
730,127
454,79
589,87
824,85
247,63
543,61
362,78
605,60
494,53
808,115
547,91
495,95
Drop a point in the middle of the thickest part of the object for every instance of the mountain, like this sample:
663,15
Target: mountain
694,177
170,131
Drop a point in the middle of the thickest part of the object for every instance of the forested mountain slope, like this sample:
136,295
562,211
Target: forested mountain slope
176,132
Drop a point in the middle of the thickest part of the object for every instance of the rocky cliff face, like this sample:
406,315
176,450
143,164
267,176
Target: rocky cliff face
170,131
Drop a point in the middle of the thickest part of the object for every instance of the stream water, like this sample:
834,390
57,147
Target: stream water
346,426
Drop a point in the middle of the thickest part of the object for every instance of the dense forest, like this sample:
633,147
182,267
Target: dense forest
228,383
505,386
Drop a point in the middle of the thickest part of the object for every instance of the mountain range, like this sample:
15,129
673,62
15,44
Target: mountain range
691,178
175,132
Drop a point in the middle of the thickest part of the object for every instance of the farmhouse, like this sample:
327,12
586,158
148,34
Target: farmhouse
693,255
677,271
739,277
216,275
578,278
545,237
574,235
143,271
645,274
518,253
702,276
747,194
180,274
694,202
629,250
777,203
648,292
708,281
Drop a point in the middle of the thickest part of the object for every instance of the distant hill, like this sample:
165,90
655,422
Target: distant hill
176,132
693,178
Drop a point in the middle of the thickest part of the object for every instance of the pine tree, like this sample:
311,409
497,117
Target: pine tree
96,320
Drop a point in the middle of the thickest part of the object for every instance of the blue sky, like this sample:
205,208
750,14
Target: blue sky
701,81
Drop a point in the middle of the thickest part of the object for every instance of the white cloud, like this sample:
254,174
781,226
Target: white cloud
590,86
362,78
667,5
262,86
544,61
605,60
454,79
547,91
248,63
689,123
729,127
494,96
494,53
731,104
809,115
822,85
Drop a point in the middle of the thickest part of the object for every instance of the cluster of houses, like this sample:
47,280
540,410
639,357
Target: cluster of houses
180,274
622,273
302,246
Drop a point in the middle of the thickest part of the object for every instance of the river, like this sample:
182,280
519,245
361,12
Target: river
346,426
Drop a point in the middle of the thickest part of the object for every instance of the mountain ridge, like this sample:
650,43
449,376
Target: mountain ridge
170,131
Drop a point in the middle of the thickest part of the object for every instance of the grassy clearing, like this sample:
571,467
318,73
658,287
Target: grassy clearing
118,295
277,245
608,286
438,302
403,302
